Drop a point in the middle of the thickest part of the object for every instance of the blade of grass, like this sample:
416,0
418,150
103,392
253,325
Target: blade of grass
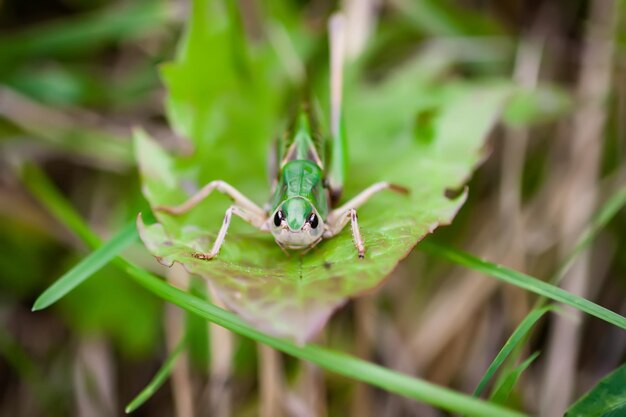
87,267
608,210
506,385
519,333
337,362
159,378
524,281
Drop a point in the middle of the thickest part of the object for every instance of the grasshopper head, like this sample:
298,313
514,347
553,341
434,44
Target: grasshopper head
296,224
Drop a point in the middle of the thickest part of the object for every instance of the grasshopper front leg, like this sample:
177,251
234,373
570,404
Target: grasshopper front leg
254,219
339,217
341,222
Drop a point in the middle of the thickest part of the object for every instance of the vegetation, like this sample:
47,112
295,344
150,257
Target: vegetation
502,121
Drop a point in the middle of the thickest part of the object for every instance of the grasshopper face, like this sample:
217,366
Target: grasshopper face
296,224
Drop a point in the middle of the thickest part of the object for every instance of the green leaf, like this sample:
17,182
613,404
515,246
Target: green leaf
508,381
86,267
606,399
522,329
225,100
524,281
158,380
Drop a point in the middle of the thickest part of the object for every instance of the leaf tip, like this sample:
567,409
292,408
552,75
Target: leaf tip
39,304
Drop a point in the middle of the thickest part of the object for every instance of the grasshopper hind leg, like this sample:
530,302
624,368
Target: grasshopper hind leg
222,187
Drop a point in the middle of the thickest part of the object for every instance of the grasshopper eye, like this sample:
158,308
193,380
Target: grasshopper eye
313,220
278,218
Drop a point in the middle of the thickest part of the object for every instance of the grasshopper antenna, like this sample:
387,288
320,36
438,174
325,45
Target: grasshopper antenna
338,162
336,30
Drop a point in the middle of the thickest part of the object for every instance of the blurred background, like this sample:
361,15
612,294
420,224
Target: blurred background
77,75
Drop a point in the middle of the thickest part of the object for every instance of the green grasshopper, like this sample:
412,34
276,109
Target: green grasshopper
306,187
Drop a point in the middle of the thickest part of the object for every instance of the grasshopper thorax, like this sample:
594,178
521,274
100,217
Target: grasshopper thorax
296,224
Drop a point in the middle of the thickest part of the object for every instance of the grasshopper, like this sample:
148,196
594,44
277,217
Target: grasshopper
307,186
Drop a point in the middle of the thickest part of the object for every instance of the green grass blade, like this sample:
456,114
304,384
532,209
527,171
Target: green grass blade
504,388
522,329
158,380
524,281
87,267
334,361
